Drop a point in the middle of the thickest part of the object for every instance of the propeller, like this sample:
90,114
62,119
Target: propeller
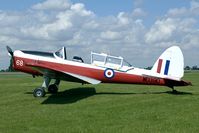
10,52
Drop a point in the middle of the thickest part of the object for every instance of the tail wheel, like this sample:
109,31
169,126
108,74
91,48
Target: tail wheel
39,92
53,89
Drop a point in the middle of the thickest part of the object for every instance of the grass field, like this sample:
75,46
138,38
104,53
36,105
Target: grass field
104,108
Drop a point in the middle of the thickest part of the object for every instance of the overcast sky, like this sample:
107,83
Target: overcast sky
138,30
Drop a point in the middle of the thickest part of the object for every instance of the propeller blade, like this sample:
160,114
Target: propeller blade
9,50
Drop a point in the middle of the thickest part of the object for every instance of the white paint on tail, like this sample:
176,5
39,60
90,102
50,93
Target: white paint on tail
170,64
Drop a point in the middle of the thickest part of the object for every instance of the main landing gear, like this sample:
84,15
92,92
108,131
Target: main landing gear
53,88
39,92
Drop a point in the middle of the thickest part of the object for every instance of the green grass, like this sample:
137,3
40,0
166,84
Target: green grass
103,108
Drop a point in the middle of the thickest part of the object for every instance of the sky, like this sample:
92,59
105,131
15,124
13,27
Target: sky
138,30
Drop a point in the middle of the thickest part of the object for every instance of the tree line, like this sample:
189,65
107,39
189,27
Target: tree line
195,67
191,68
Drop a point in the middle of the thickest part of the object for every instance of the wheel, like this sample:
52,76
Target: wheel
175,92
39,92
53,89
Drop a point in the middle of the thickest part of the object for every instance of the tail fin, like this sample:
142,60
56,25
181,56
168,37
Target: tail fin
170,63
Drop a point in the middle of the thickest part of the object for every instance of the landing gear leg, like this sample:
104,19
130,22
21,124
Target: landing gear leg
53,88
46,82
40,91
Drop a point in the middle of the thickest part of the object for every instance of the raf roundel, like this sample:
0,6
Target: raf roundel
109,73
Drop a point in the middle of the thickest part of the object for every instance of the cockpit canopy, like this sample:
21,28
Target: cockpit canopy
101,60
61,53
105,60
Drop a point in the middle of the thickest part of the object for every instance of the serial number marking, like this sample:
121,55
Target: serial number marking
149,80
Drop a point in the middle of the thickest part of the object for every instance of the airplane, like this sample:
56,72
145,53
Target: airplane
167,70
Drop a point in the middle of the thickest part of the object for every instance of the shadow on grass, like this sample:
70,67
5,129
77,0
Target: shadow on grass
169,92
70,96
75,94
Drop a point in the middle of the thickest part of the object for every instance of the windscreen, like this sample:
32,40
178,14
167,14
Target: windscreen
59,53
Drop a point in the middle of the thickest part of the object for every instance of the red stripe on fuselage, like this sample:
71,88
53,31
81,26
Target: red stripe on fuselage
119,77
159,66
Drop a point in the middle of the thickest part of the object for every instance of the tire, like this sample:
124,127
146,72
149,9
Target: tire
39,92
53,89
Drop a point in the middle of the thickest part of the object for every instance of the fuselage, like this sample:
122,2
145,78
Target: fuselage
129,75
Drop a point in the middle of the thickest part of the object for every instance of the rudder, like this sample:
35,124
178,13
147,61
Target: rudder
170,63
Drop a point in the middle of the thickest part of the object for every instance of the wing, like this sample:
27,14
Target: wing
55,73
